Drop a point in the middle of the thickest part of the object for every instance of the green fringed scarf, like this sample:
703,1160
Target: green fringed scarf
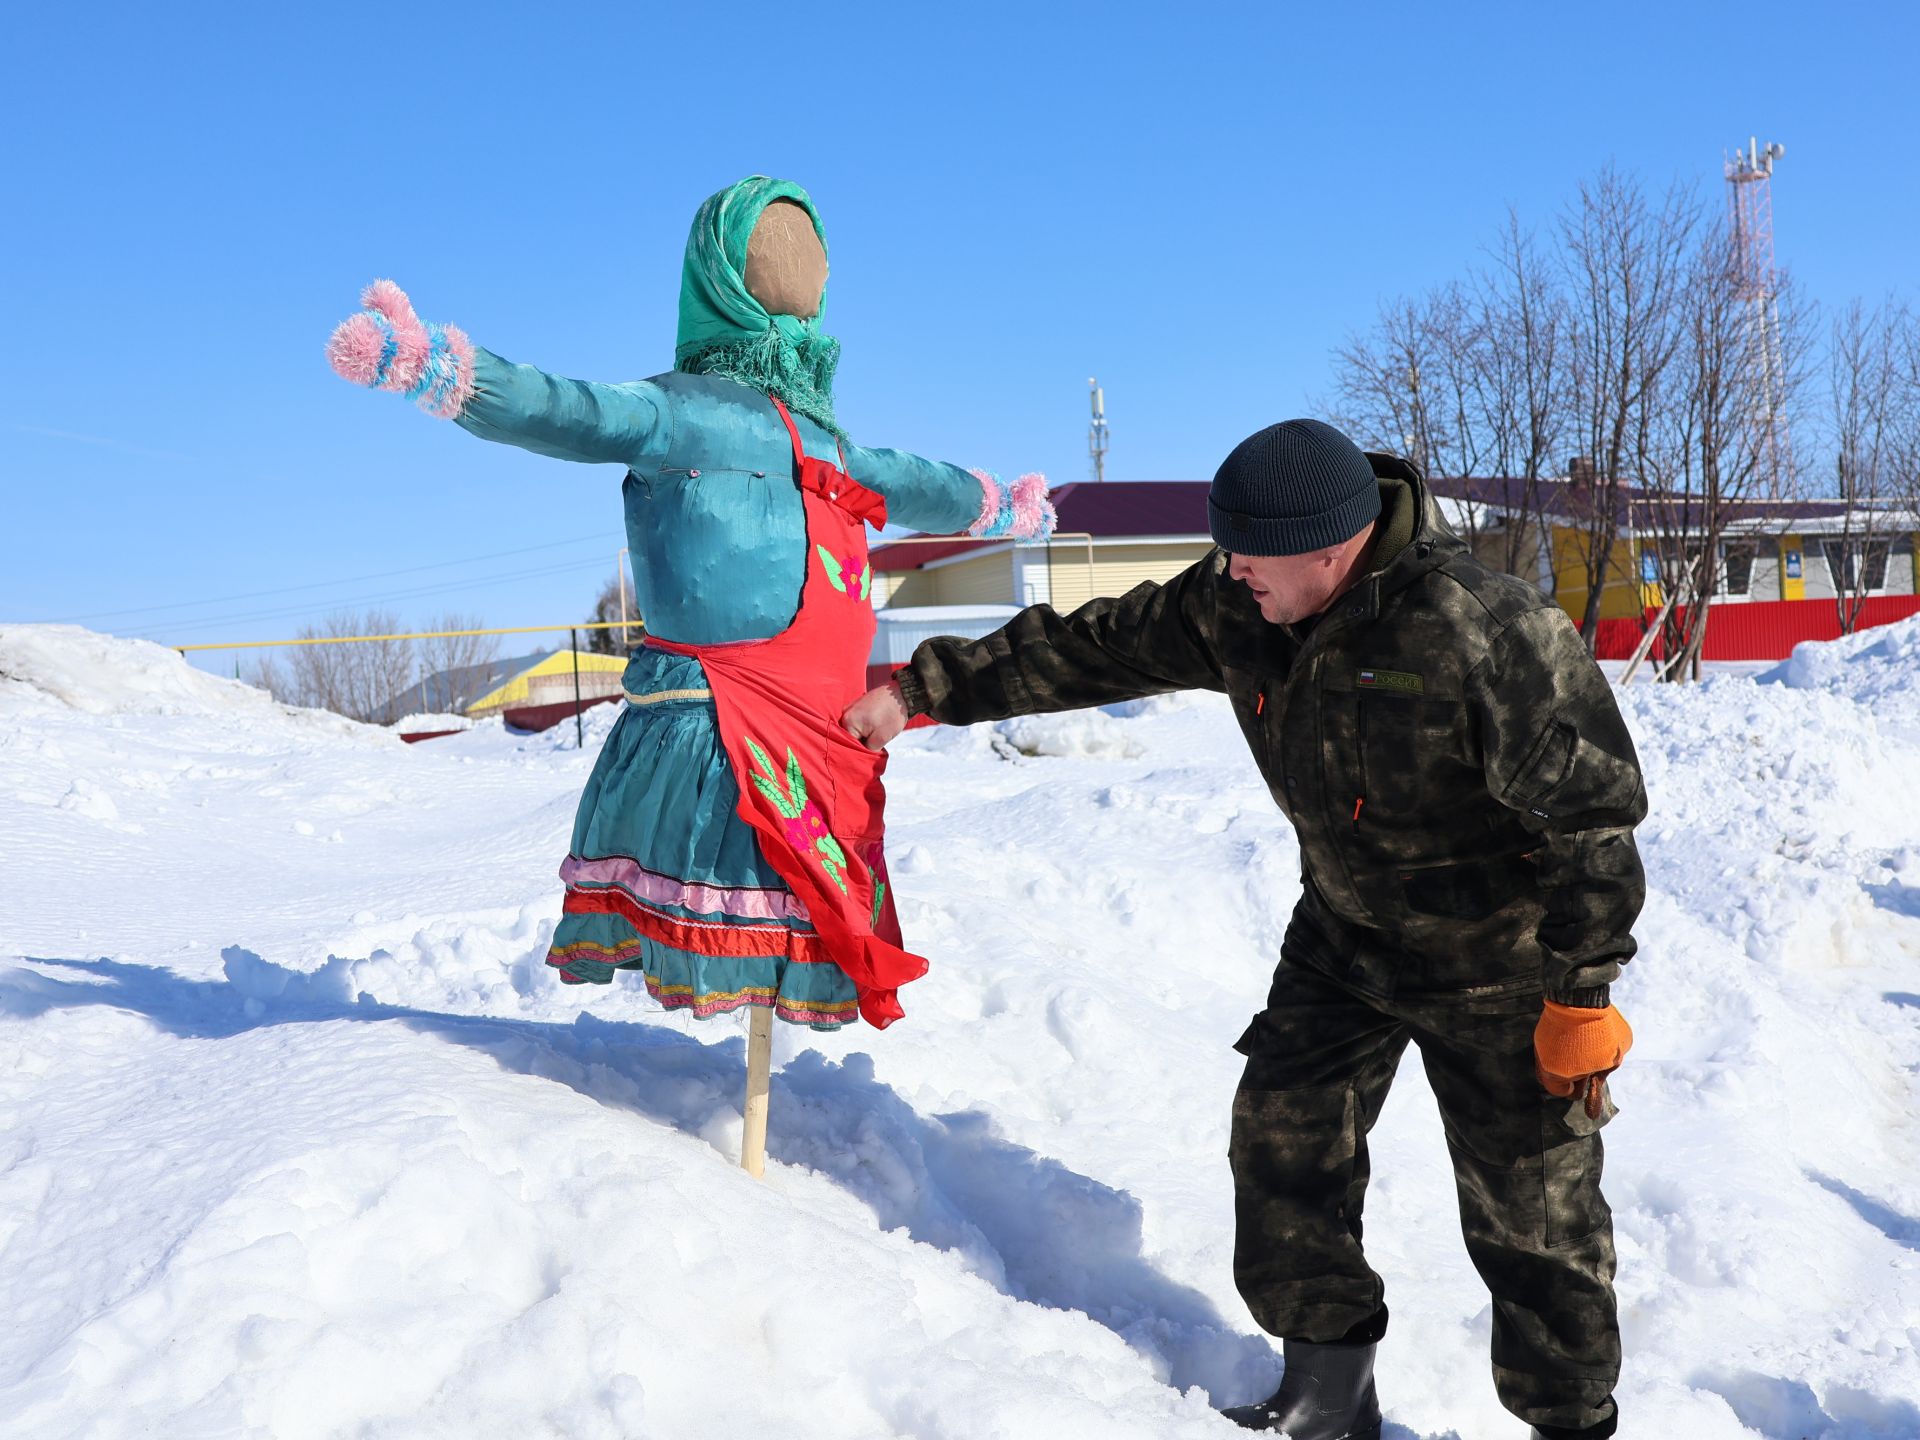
725,331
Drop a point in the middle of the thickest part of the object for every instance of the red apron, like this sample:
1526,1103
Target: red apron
811,791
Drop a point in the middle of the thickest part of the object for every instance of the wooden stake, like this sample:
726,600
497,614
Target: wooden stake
753,1140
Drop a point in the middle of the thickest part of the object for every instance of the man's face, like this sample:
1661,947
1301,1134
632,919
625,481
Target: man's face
1291,588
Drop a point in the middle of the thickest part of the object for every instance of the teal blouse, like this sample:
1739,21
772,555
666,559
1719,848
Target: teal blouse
715,524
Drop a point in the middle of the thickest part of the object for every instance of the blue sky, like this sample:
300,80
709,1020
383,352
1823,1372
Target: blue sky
1197,203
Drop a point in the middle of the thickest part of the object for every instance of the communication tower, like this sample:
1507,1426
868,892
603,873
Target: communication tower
1097,431
1750,201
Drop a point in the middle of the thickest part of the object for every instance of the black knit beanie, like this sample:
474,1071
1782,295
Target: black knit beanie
1294,487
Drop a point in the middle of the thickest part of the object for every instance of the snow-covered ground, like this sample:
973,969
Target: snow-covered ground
298,1137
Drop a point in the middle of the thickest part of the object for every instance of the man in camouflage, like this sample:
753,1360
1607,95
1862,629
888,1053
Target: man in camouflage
1464,791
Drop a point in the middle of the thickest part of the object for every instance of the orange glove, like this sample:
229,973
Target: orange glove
1574,1050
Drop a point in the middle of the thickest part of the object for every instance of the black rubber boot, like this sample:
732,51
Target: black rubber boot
1326,1394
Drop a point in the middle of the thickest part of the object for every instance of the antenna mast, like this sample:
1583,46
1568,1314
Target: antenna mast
1097,431
1755,285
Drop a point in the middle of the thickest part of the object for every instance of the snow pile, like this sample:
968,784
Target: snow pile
1086,735
1878,668
104,675
384,1224
493,738
595,723
1070,735
430,723
300,1137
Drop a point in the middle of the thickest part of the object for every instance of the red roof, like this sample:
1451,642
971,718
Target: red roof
890,559
1113,510
1133,507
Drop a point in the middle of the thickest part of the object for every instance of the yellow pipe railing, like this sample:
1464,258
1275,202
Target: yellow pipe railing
416,635
635,623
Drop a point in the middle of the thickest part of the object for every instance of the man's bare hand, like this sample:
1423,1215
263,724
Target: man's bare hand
877,716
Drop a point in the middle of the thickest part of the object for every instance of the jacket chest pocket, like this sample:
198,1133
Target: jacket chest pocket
1403,749
1256,705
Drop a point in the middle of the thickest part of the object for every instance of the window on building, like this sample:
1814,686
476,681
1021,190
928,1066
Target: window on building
1736,566
1857,567
1877,554
1840,562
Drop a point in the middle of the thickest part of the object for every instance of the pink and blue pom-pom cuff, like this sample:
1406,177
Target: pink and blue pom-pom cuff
1020,510
388,347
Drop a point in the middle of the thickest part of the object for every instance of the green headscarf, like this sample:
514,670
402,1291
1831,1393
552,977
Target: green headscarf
725,331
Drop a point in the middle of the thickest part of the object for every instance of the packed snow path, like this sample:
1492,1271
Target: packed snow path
298,1138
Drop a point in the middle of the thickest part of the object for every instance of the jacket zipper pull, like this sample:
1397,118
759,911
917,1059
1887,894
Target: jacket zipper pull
1260,704
1359,800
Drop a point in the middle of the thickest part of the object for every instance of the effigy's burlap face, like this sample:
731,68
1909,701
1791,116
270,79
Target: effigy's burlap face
786,263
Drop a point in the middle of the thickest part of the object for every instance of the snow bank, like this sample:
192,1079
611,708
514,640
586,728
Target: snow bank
1878,668
105,675
1070,735
492,738
388,1224
417,724
299,1136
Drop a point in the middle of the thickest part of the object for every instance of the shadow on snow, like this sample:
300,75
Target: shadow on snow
1889,1222
1035,1229
1789,1410
1897,896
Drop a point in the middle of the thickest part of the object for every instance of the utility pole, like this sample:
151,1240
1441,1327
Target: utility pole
1097,431
579,725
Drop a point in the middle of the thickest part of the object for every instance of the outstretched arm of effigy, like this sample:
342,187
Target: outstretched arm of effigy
943,499
388,347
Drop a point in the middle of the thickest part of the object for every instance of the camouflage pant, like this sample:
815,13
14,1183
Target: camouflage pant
1526,1166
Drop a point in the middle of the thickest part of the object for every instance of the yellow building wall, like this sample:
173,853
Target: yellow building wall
1622,596
905,587
514,692
1115,569
1529,558
1793,587
983,580
1072,578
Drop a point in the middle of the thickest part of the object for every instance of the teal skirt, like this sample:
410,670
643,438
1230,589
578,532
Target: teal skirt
664,877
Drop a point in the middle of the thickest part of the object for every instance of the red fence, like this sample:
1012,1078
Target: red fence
545,717
1758,630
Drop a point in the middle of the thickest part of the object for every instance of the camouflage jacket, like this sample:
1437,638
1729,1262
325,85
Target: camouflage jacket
1462,783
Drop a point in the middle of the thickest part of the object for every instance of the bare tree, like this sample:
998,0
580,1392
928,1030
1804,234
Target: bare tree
1715,412
1628,340
269,675
1467,382
1626,260
1413,385
1456,377
1876,438
1907,484
358,678
451,663
1382,401
614,603
1520,384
